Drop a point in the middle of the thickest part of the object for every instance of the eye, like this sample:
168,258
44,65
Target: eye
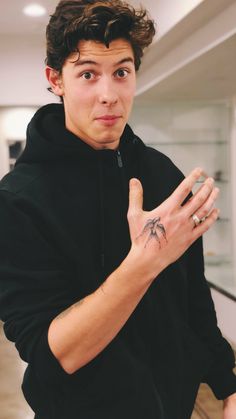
88,75
122,73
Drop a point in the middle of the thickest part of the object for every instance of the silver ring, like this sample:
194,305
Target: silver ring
196,220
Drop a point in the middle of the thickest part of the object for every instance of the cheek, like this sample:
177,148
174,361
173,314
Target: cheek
128,94
128,98
81,101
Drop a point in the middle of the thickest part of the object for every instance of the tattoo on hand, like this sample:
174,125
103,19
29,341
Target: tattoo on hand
65,312
153,226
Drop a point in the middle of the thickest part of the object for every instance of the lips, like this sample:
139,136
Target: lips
108,117
108,120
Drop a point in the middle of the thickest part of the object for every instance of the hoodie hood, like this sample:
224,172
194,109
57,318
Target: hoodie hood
48,139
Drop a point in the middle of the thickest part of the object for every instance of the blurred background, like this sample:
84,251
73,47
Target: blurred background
185,106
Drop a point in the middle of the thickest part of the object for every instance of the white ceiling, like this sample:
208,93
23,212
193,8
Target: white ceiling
12,19
210,77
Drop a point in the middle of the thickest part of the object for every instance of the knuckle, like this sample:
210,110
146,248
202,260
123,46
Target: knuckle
130,214
204,212
187,188
203,196
182,218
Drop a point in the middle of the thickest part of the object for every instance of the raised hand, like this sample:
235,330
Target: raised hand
162,235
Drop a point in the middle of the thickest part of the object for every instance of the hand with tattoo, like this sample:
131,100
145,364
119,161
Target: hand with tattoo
153,226
159,237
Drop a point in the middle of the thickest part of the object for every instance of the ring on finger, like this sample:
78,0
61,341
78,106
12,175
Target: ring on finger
197,220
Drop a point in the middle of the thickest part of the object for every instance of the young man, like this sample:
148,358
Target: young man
102,277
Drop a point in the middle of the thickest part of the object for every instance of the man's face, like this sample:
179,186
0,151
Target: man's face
98,91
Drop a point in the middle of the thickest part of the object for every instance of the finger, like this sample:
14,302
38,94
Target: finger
205,225
185,187
135,196
193,197
201,185
200,198
203,175
208,205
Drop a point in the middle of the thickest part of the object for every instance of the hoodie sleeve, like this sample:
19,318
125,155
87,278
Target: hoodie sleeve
220,376
35,286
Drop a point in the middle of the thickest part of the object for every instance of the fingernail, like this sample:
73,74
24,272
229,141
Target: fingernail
133,182
210,180
198,171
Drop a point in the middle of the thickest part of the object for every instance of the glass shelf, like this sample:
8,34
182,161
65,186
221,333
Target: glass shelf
216,260
221,276
221,181
198,136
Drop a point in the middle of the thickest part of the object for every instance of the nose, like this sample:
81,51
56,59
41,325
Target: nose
107,94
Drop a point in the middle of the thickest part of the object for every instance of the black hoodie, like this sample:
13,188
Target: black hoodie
63,230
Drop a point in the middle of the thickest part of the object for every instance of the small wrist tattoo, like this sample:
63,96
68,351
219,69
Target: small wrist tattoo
65,312
153,226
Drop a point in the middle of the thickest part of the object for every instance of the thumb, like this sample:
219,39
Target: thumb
135,196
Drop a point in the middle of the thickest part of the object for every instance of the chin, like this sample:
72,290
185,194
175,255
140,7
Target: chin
111,143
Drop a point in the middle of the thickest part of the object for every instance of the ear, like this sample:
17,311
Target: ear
55,81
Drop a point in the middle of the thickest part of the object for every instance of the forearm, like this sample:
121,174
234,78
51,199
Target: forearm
81,332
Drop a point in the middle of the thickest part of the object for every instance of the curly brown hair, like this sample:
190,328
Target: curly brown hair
99,20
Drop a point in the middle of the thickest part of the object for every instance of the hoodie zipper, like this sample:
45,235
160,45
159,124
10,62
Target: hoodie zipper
124,185
120,165
119,159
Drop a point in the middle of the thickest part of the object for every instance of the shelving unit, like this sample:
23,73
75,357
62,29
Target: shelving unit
213,154
194,63
209,150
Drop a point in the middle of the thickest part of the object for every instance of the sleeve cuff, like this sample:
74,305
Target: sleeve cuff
46,365
223,384
49,370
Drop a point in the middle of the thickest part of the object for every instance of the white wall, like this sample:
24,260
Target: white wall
233,173
170,12
14,122
13,125
167,13
22,72
226,315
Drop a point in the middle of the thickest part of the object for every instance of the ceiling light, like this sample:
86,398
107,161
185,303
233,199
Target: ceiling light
34,10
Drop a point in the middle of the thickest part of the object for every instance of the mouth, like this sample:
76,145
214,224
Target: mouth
108,119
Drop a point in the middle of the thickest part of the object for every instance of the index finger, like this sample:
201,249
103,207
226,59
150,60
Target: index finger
186,186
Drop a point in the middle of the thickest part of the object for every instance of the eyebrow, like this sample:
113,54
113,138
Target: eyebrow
91,62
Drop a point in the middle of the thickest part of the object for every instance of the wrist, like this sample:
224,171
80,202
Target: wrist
137,265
